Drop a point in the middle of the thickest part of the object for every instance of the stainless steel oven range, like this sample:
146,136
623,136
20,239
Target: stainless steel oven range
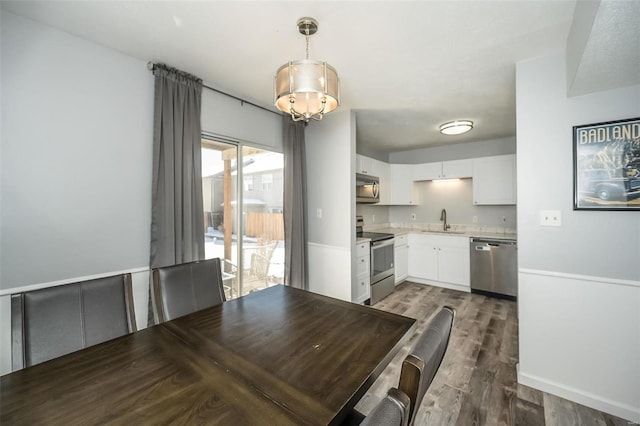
382,262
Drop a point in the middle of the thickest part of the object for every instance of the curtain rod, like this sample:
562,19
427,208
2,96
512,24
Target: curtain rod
151,66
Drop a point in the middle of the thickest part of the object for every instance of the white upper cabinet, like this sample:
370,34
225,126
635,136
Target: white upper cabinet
402,184
457,169
427,171
443,170
364,165
494,180
383,171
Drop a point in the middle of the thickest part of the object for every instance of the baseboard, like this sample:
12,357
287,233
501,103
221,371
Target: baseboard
626,412
450,286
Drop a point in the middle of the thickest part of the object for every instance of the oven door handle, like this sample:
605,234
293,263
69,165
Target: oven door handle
383,243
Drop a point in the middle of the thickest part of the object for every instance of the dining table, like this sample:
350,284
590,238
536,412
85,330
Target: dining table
278,356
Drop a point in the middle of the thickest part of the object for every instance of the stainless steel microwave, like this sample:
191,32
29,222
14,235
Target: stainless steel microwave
367,189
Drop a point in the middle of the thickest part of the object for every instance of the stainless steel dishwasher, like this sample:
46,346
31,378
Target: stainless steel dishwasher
494,267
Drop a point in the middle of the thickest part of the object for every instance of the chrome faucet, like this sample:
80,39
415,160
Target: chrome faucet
443,216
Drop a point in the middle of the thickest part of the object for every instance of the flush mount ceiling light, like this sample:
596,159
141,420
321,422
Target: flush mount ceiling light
456,127
307,89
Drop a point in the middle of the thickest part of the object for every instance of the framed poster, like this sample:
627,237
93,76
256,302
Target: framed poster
606,165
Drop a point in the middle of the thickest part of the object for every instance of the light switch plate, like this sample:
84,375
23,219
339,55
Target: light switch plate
550,218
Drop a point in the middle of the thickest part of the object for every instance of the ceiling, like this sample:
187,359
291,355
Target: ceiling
405,66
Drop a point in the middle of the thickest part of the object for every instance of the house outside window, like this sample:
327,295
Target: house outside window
248,183
267,182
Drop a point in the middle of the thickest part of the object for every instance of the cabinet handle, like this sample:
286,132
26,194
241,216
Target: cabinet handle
362,260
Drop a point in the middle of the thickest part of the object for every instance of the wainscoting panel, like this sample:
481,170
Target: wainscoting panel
330,271
580,339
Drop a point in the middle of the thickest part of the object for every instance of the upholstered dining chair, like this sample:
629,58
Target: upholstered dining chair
179,290
55,321
421,365
392,410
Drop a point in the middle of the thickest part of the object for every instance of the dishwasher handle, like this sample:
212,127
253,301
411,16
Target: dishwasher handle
482,248
493,242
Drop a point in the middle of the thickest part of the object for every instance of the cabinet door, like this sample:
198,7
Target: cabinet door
423,261
453,265
494,180
363,288
401,254
363,267
401,184
364,164
427,171
456,169
384,173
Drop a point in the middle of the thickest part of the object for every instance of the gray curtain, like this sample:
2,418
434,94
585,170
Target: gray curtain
295,205
177,221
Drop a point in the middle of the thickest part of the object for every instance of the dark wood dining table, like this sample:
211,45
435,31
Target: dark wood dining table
279,356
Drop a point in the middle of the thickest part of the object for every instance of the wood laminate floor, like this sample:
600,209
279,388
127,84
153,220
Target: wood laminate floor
476,383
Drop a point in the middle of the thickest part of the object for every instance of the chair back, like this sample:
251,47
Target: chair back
179,290
420,366
392,410
55,321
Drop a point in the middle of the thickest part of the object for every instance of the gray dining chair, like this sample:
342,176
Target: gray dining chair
55,321
421,365
392,410
179,290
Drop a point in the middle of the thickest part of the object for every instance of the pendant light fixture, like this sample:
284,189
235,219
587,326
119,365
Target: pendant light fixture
456,127
307,89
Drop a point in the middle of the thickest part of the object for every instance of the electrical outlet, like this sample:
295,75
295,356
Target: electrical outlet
550,218
475,219
413,216
373,218
319,213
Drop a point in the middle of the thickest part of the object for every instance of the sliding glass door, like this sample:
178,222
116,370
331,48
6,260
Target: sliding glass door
219,197
262,220
259,221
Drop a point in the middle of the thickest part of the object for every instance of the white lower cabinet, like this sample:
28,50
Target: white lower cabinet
401,258
362,290
440,260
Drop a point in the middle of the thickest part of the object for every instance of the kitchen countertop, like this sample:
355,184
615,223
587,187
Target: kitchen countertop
456,232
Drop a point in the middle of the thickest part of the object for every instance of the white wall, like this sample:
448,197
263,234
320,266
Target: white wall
330,151
76,156
579,300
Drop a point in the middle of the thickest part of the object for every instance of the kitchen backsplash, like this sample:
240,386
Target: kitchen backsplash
455,196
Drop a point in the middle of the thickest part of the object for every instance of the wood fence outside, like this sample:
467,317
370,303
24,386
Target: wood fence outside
267,226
